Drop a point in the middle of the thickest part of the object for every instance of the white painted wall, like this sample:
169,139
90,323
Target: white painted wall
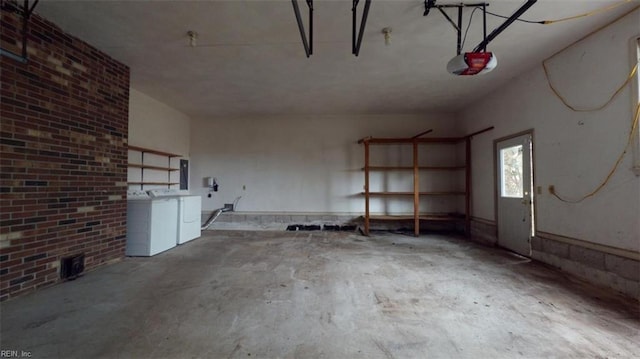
154,125
574,151
303,164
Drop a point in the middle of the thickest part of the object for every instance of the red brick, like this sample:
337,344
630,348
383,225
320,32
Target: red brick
32,101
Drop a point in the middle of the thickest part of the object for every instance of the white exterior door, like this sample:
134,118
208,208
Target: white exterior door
515,197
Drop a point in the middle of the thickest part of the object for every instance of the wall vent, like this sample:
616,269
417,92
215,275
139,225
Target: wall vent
71,267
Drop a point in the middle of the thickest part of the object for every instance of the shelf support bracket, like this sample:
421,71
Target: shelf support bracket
479,132
422,133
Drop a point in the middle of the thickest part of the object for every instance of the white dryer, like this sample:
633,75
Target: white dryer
189,212
151,224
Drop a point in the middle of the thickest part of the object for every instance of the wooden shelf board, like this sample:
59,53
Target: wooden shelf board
443,168
372,140
411,140
410,168
138,165
423,217
390,218
155,183
446,218
152,151
388,168
411,193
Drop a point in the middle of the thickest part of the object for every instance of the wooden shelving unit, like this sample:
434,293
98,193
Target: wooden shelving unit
142,166
416,142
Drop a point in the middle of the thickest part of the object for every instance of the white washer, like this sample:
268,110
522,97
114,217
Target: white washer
151,224
189,212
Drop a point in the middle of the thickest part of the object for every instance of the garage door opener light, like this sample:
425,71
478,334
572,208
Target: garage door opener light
478,61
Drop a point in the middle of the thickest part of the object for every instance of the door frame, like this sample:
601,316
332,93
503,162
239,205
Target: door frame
534,189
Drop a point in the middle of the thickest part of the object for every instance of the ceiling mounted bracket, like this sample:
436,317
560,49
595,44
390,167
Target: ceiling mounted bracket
26,12
482,46
308,45
487,39
355,43
431,4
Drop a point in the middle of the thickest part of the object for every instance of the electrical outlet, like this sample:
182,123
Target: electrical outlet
539,190
552,189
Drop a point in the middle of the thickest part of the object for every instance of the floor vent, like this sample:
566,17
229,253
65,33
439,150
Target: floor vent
71,267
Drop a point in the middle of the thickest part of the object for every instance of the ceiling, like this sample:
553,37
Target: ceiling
249,59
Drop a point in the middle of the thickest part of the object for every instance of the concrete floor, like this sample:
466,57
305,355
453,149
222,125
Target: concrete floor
323,295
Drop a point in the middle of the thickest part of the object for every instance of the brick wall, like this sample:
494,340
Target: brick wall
63,135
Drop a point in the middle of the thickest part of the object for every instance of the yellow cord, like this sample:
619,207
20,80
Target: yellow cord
634,126
595,31
633,72
607,8
629,78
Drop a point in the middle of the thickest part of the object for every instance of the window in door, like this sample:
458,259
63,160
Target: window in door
512,174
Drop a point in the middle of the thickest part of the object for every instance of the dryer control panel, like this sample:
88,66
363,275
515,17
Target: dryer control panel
137,194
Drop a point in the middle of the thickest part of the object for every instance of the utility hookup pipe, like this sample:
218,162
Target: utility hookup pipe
217,214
